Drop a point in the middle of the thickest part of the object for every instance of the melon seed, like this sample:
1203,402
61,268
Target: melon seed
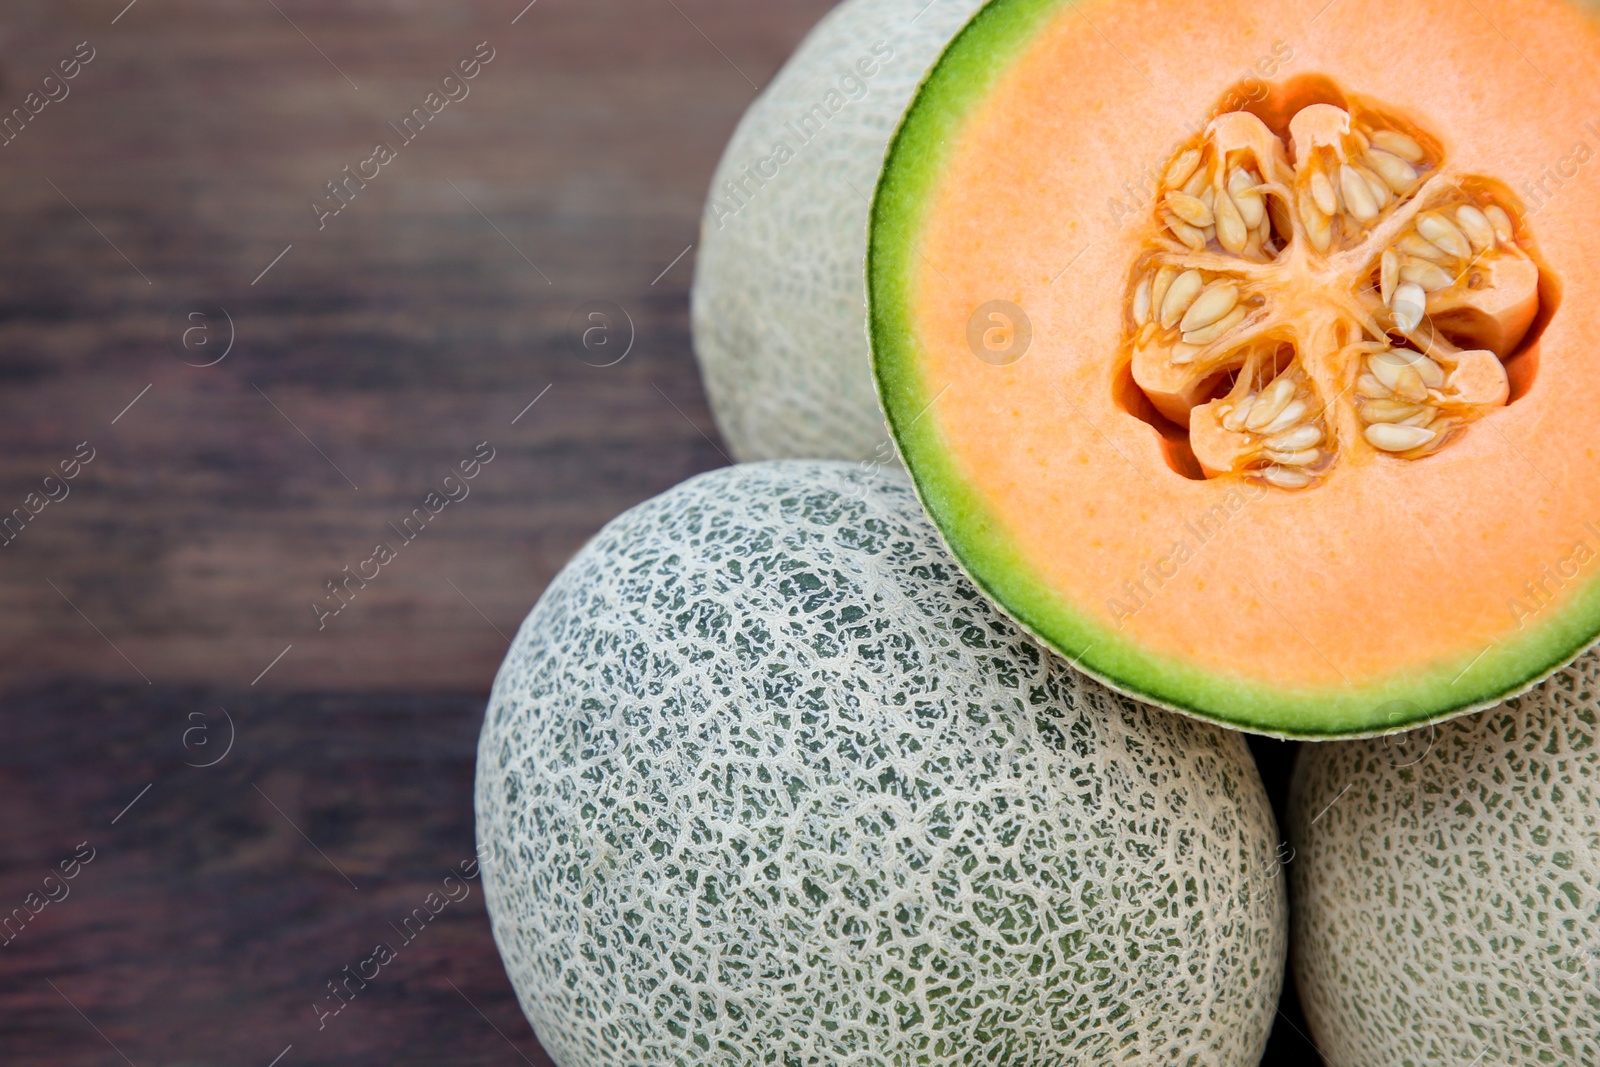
1410,386
1232,233
1396,172
1501,222
1475,224
1242,189
1180,294
1302,458
1409,302
1390,366
1206,334
1234,420
1189,209
1430,372
1189,235
1380,190
1181,168
1357,194
1423,417
1387,410
1300,437
1212,304
1286,477
1388,276
1141,301
1430,276
1369,385
1397,143
1391,438
1322,193
1158,288
1270,404
1442,232
1414,244
1286,419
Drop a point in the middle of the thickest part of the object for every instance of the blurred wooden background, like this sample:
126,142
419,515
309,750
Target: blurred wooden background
164,605
408,329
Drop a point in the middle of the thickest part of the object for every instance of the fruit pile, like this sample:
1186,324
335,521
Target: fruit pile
1269,416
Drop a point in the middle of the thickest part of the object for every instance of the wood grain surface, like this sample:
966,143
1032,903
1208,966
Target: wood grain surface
377,352
163,208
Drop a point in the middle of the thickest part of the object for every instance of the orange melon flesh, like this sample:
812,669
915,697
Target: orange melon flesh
1390,593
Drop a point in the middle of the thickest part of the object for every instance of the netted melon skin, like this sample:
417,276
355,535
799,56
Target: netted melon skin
764,780
779,300
1446,886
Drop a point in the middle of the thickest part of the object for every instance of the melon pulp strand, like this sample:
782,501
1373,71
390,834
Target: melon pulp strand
764,780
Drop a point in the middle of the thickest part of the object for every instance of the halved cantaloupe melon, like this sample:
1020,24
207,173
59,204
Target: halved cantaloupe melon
1266,399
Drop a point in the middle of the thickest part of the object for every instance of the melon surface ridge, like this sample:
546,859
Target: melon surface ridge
1376,558
763,780
1446,886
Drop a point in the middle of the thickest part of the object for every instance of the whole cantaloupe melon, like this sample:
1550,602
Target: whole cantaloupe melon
1446,886
764,780
779,300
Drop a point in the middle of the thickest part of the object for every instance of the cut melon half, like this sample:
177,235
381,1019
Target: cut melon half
1244,354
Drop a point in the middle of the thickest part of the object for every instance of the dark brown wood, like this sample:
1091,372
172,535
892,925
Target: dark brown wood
405,331
206,928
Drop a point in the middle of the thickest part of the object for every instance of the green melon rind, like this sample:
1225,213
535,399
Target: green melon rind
1475,680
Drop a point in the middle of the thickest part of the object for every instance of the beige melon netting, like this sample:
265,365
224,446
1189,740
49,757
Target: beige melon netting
1447,886
780,302
764,780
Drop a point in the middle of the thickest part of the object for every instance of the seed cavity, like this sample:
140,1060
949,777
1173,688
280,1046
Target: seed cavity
1275,384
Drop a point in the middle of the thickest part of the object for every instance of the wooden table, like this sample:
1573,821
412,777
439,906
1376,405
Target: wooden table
162,209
